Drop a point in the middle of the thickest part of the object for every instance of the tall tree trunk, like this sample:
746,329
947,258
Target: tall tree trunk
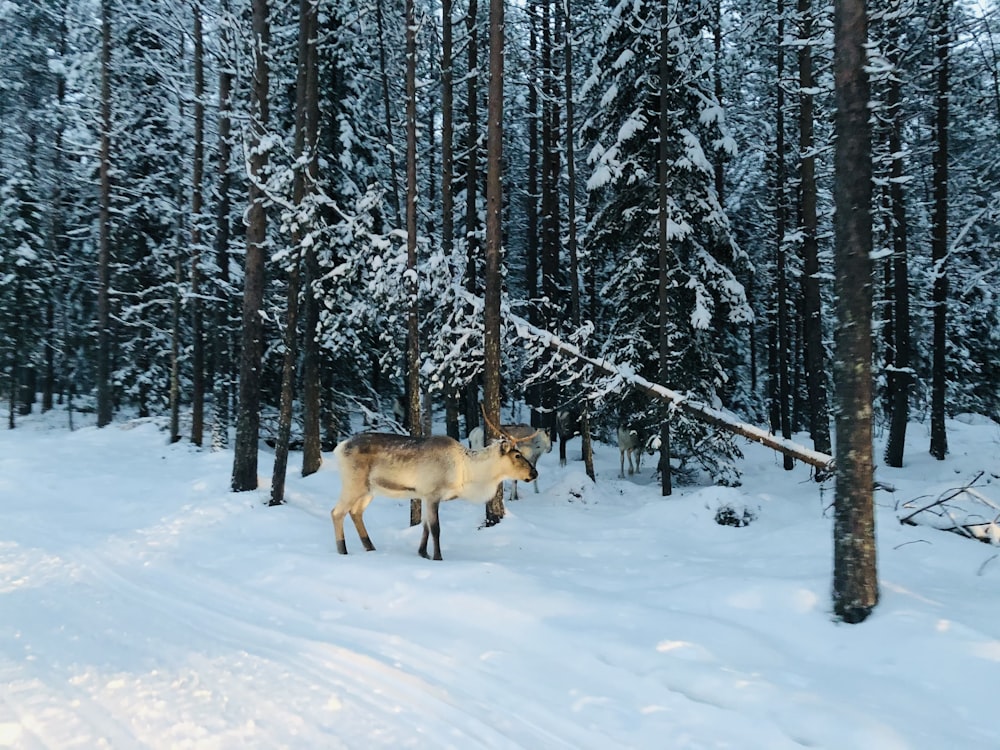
571,249
291,337
175,340
472,188
900,376
815,361
662,177
939,234
782,339
248,414
447,176
571,239
58,229
177,294
197,206
549,219
104,393
494,206
855,582
312,442
221,338
387,112
531,203
412,288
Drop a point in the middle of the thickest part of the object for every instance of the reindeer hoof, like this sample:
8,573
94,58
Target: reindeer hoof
342,547
369,547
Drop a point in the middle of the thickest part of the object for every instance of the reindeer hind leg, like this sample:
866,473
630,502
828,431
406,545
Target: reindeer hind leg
358,516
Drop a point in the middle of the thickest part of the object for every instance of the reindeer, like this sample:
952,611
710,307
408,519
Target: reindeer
530,441
630,444
435,469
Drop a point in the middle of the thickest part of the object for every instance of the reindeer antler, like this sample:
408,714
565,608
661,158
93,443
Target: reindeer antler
501,433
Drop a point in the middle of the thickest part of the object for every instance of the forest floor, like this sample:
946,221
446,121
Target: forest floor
144,605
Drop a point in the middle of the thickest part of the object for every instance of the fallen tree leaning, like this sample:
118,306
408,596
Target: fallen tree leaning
821,461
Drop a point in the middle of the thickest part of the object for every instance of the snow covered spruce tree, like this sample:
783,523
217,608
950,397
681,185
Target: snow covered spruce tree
703,295
27,279
147,217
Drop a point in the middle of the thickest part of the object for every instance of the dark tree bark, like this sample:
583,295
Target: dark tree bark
571,248
531,199
471,186
782,334
59,243
447,176
387,110
815,360
197,206
299,187
494,206
663,194
900,377
104,393
413,300
312,442
939,234
549,218
221,338
248,410
855,582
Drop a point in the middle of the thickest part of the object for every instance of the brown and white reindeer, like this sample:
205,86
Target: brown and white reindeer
531,441
434,469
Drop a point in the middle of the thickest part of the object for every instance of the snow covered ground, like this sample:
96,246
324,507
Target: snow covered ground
142,604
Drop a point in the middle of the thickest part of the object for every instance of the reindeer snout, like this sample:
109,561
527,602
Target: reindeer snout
533,475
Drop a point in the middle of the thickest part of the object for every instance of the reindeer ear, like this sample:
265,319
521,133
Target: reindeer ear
506,446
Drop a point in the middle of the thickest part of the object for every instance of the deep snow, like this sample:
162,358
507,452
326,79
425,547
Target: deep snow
142,604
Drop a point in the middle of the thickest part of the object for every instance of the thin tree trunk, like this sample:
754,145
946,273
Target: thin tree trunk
411,286
495,510
312,443
815,361
197,180
900,376
939,236
176,302
221,349
447,176
58,237
387,110
472,188
549,219
175,344
782,338
571,249
662,176
855,582
248,414
104,393
291,338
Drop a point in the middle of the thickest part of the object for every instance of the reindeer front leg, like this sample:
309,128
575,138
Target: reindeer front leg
432,526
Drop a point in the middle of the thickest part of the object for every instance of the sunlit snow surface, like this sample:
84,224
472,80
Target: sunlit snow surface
143,605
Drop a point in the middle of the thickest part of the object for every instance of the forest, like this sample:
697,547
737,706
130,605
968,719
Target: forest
262,218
